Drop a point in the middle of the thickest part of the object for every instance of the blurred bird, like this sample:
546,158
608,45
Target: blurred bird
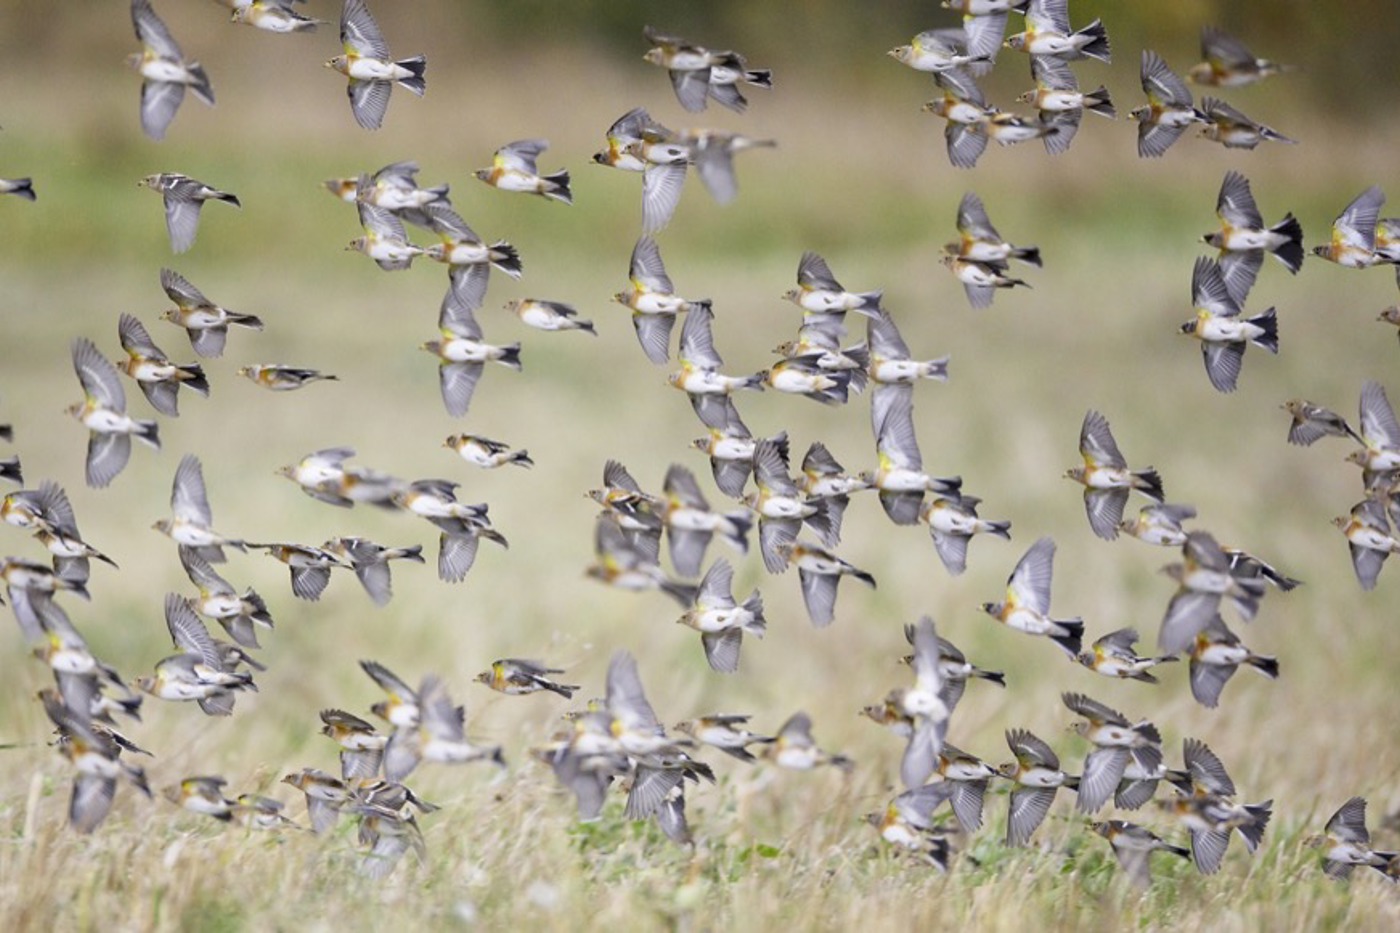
1060,102
1222,331
1204,577
937,50
1026,607
384,239
1116,740
1379,457
274,16
923,704
692,70
1229,63
486,453
513,169
440,736
319,473
653,301
1106,477
325,794
254,811
730,447
964,108
793,748
1113,656
890,360
103,412
548,315
1215,655
967,777
21,187
1370,538
280,378
96,759
824,478
1353,240
1169,109
1159,524
1037,776
954,670
1346,843
468,257
56,528
393,188
712,152
202,795
819,571
980,280
622,565
979,241
205,322
907,822
1243,239
1133,846
1312,422
900,476
372,73
781,513
727,75
191,523
805,376
727,733
1233,130
721,621
1204,806
310,566
200,672
361,747
952,521
463,354
183,197
518,676
401,708
1048,33
164,71
690,523
699,376
159,379
370,561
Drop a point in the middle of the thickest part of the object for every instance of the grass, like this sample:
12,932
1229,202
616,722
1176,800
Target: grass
859,176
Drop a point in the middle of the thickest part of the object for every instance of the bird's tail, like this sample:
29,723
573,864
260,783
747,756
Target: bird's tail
520,458
1099,102
1098,44
870,304
1290,252
561,190
754,606
506,258
246,320
738,533
1253,830
201,86
1000,529
759,77
193,377
12,470
1073,638
148,432
1268,323
1265,665
1149,483
510,356
1028,254
415,82
23,187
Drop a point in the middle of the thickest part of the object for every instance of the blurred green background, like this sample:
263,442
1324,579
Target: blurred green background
860,175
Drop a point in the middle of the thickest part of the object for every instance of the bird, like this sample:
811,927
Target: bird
1221,329
899,476
1060,102
1113,656
203,795
1228,62
96,759
468,257
730,448
1379,455
621,564
818,292
361,747
164,71
794,748
274,16
819,572
183,197
954,670
326,795
727,732
1048,33
979,241
513,169
805,376
964,108
1370,539
158,378
1233,130
890,361
20,187
923,704
1352,243
549,315
692,70
239,614
519,676
310,566
200,671
980,280
712,152
699,375
191,522
907,823
823,477
370,70
486,453
463,354
1169,110
1310,423
690,523
952,522
935,50
278,377
1345,842
663,157
781,512
1203,577
206,323
1215,656
440,736
1116,740
653,301
1106,478
370,561
722,622
56,527
384,239
1037,776
103,413
1026,607
393,188
1133,846
1243,239
1204,805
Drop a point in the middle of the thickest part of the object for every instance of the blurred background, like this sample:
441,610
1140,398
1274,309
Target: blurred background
859,175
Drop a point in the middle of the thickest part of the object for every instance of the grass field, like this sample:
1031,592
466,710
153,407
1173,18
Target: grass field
860,176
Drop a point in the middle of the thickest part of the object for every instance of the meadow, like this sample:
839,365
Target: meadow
860,176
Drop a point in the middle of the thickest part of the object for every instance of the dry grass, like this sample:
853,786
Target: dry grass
860,176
